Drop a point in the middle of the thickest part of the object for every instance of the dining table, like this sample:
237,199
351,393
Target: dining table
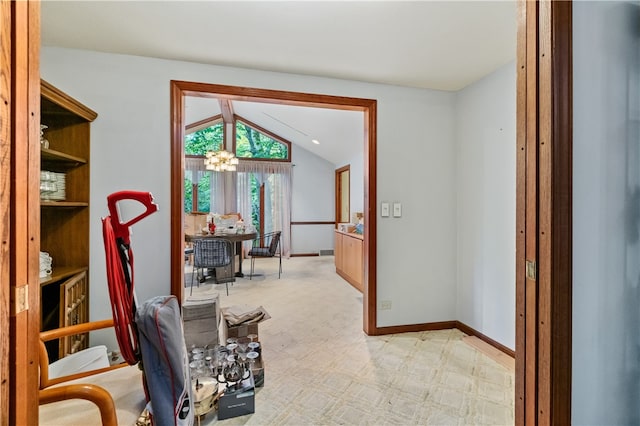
235,237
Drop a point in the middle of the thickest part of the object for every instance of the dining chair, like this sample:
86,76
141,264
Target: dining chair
215,254
49,393
266,245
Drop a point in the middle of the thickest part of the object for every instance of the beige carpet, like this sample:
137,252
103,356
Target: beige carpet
321,369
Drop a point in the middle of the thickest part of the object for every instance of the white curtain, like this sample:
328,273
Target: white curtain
231,192
276,177
222,198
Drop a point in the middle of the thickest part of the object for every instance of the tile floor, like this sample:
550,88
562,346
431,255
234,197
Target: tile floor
321,369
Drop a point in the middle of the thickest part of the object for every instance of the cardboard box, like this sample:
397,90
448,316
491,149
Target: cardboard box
238,402
257,370
201,318
194,222
240,330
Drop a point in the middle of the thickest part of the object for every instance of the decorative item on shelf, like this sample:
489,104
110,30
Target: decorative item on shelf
52,186
45,264
61,184
43,141
48,184
220,161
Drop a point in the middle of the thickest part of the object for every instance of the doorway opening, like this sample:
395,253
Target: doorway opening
181,89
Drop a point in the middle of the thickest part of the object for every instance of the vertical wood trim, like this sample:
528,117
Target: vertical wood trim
227,111
6,385
562,195
544,272
555,231
194,196
233,134
531,214
25,211
34,87
177,191
261,207
521,158
338,191
370,287
544,130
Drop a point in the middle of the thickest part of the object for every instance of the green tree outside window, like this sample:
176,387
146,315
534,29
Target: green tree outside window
251,143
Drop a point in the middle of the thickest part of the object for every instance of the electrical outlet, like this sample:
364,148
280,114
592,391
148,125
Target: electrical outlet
385,305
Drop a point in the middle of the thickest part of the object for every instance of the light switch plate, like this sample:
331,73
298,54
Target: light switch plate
397,209
384,209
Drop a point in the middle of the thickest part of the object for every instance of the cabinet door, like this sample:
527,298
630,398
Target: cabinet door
339,251
349,256
74,310
358,263
352,260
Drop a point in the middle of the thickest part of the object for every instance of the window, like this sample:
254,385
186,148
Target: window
257,143
197,183
200,141
260,190
252,142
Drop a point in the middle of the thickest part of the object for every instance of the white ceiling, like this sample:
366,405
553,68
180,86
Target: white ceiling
424,44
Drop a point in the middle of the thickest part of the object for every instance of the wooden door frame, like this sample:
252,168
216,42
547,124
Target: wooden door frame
338,191
544,213
181,89
20,209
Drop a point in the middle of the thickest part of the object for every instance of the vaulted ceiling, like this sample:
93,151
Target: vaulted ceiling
424,44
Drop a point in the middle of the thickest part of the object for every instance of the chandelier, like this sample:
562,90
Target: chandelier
220,161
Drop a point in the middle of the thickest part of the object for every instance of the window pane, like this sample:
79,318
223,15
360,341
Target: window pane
250,143
204,192
209,139
188,195
255,203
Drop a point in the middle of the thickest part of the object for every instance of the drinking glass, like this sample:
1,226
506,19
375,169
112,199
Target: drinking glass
252,356
231,347
243,344
254,347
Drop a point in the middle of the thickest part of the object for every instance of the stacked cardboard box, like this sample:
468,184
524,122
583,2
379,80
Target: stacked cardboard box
201,316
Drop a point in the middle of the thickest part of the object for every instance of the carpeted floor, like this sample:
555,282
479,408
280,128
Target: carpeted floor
321,369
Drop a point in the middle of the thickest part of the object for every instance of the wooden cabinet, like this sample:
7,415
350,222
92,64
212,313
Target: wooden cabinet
64,219
349,257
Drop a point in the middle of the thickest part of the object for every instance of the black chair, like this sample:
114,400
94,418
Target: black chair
215,254
266,245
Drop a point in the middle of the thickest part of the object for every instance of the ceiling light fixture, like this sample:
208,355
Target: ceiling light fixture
316,141
220,161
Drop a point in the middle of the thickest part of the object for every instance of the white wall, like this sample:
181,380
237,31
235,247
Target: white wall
130,150
486,193
606,213
313,199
